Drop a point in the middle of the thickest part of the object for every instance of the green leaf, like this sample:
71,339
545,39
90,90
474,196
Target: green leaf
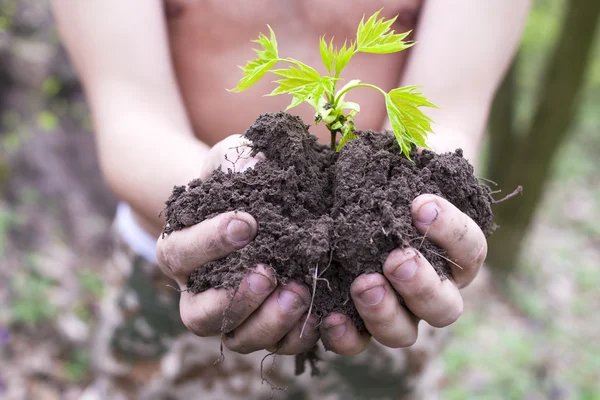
343,56
409,123
304,83
257,68
327,53
296,78
375,36
352,106
346,137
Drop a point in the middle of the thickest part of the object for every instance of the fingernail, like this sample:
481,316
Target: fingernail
428,213
373,296
406,270
238,231
259,284
289,301
337,331
249,165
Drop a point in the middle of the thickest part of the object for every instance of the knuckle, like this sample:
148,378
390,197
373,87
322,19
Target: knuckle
196,322
358,348
288,347
268,335
168,259
262,337
214,245
238,346
426,294
450,317
408,339
381,322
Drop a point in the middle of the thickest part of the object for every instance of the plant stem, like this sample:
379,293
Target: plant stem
358,85
333,135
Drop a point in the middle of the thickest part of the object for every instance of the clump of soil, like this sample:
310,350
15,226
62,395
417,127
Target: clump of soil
339,213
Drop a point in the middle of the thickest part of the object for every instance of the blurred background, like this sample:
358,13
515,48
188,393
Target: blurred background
531,329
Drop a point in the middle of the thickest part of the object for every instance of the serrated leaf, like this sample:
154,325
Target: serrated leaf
409,123
327,53
295,80
376,36
304,83
343,56
346,137
255,69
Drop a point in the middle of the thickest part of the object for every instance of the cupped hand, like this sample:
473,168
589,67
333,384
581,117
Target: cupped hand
407,272
261,314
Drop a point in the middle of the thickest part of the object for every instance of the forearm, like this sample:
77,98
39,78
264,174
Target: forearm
120,51
463,50
148,159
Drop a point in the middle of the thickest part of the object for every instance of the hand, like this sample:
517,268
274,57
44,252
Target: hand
409,273
261,314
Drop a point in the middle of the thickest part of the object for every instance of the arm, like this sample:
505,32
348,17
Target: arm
465,47
145,143
146,146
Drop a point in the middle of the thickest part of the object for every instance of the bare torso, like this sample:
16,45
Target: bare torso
210,38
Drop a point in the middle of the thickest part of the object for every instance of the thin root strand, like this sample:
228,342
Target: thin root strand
487,180
445,258
518,190
312,300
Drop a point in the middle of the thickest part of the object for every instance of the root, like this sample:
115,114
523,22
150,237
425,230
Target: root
328,265
424,236
488,180
326,281
178,290
316,277
518,190
346,301
312,300
226,311
445,258
221,357
262,375
240,155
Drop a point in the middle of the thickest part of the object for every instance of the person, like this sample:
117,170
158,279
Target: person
155,75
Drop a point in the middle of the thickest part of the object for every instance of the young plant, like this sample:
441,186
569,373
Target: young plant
305,84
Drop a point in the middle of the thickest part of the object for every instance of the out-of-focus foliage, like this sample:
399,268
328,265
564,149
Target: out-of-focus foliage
541,339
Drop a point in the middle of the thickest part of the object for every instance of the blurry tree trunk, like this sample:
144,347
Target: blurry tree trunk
533,154
501,125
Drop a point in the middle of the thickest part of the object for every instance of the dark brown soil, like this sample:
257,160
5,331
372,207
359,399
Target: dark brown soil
341,214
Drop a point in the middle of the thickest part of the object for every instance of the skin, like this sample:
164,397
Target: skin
162,116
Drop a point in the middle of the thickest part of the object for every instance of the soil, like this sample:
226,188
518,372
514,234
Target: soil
340,213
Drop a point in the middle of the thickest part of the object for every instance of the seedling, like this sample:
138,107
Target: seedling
305,84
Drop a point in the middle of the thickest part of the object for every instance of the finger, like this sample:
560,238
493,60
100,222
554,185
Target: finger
181,252
425,294
455,232
221,310
377,303
340,335
272,321
303,336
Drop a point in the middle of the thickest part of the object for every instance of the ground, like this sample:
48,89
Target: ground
540,339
